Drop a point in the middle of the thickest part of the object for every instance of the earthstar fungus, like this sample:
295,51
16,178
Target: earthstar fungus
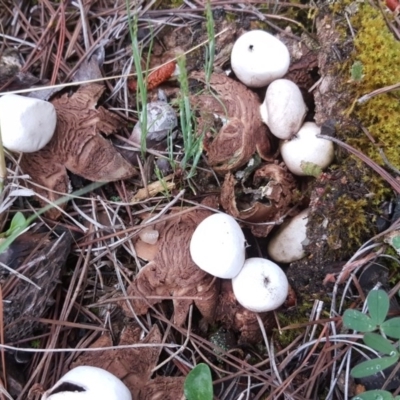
261,285
242,133
258,58
77,146
88,383
217,246
172,271
134,366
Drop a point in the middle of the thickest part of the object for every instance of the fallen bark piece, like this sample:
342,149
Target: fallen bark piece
78,146
242,133
266,197
172,272
27,124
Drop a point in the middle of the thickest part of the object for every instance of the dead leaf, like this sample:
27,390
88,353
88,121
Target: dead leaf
173,273
242,134
266,197
78,146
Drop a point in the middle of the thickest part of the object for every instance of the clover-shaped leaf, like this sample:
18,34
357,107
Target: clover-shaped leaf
358,321
371,367
378,305
379,343
391,327
374,395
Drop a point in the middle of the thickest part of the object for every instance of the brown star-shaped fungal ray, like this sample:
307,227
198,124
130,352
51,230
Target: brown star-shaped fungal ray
236,317
77,146
172,271
134,365
242,133
265,196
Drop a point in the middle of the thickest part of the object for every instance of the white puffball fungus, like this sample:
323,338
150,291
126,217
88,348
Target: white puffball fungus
258,58
286,244
305,151
261,285
161,120
218,246
88,383
26,124
283,109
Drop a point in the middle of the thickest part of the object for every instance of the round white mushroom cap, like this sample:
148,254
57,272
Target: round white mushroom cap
283,109
305,151
218,246
261,285
26,124
88,383
286,244
258,58
161,120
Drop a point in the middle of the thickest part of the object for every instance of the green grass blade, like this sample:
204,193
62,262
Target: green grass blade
210,49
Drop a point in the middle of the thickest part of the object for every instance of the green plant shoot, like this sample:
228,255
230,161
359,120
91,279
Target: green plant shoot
210,48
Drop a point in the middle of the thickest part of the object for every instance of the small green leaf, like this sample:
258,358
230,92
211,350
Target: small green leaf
391,327
378,305
358,321
18,224
374,395
371,367
198,383
379,343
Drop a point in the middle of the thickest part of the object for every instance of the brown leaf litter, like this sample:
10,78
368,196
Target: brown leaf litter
134,366
266,196
172,272
77,146
242,134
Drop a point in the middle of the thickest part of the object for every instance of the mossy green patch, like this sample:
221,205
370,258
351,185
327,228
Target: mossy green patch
350,203
378,52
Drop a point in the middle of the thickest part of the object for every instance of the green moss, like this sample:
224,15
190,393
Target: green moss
378,51
351,202
170,4
231,17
